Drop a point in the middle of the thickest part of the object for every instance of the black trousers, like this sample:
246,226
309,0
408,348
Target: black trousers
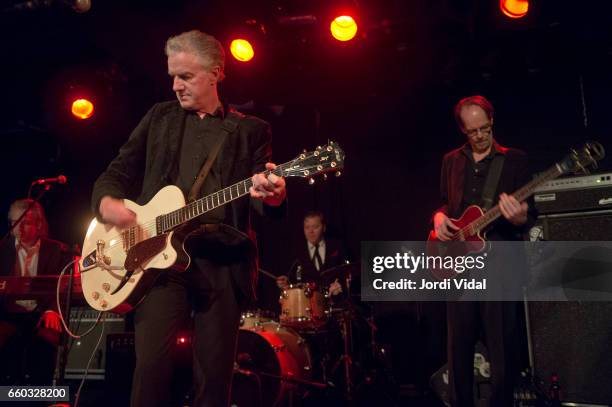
27,357
205,293
496,324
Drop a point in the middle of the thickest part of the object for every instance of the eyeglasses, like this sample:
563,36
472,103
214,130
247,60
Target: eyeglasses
484,130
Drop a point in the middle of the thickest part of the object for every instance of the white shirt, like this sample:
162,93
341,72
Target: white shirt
27,259
311,252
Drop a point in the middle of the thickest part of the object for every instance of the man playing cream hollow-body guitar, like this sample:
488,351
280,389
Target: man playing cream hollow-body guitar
170,146
168,257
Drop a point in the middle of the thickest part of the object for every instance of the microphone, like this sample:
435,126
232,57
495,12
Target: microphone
60,179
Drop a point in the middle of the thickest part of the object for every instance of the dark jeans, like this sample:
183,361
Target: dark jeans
496,323
207,294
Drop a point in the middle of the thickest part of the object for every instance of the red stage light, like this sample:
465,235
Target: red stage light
242,50
82,109
514,8
343,28
181,340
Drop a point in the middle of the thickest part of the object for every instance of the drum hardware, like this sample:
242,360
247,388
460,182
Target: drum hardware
346,313
306,310
279,348
346,359
288,379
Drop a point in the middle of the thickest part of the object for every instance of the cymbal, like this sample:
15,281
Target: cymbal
342,271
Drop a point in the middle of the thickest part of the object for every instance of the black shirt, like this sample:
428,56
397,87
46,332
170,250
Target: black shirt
200,135
476,176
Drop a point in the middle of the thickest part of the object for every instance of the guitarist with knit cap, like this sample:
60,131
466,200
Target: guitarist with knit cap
463,178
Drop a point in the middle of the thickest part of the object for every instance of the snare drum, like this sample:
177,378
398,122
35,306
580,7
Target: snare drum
263,355
303,306
252,319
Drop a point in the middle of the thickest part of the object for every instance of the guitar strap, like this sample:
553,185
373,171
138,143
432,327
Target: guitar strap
228,126
492,180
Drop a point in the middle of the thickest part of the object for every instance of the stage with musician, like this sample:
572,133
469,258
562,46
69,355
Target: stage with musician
326,203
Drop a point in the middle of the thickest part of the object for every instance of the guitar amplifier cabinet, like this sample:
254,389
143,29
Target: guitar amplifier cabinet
80,350
585,193
573,340
573,226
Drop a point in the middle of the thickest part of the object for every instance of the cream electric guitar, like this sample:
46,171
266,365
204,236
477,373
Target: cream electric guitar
118,266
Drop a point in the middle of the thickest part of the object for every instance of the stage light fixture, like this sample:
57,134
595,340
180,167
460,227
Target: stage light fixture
82,109
242,50
343,28
514,8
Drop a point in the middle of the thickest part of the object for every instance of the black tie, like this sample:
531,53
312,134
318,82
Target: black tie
317,256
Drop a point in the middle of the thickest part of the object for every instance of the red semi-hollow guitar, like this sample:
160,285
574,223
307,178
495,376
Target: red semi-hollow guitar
470,238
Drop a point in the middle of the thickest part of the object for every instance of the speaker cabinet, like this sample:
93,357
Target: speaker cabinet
574,226
80,350
573,340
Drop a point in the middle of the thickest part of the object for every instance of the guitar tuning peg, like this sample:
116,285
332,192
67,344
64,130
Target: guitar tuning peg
319,148
324,177
338,173
311,181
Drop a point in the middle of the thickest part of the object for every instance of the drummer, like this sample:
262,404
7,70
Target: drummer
315,255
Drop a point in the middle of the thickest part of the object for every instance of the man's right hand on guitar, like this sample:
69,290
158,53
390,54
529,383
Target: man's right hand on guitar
114,212
443,227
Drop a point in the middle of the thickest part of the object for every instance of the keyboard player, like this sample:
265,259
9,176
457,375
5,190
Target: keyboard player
29,328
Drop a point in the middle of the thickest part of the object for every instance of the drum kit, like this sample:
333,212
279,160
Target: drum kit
309,347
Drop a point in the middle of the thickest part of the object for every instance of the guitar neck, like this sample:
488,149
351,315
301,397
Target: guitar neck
192,210
521,194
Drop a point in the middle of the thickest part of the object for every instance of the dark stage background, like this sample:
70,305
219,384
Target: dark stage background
386,97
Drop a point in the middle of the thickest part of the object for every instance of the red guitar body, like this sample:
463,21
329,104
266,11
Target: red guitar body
465,244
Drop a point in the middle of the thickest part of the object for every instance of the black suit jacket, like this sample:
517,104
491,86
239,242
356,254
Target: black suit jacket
335,255
514,175
52,257
149,161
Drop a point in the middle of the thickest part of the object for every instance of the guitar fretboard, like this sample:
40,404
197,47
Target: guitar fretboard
192,210
521,194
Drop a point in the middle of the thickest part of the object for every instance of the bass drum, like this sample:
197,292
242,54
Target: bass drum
265,354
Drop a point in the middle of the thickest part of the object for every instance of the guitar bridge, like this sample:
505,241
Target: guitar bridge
97,259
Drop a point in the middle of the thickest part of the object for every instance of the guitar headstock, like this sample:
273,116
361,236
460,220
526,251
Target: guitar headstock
324,159
580,160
